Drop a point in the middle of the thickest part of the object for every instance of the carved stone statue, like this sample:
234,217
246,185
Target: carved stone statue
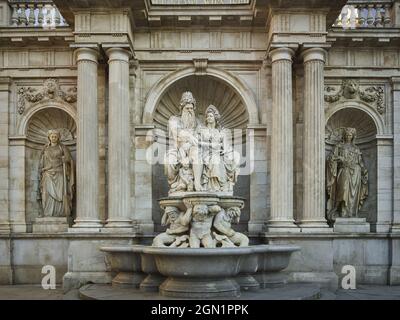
347,178
202,170
200,227
183,132
178,223
56,178
200,157
223,224
220,170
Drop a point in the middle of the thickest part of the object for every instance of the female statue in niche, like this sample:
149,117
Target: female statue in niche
56,178
220,170
347,178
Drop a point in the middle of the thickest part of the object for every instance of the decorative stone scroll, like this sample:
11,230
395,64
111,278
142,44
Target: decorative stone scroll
350,89
50,91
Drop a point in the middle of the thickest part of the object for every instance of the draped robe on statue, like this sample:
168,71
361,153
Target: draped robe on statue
56,199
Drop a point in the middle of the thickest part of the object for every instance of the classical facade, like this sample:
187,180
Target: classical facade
309,89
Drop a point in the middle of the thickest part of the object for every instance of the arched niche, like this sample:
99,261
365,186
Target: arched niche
234,112
206,90
366,140
234,83
36,127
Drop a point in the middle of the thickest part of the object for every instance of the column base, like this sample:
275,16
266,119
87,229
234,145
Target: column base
118,225
311,226
18,227
5,228
86,226
394,229
282,226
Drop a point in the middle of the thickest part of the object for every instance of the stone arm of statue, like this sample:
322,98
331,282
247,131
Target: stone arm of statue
187,216
223,226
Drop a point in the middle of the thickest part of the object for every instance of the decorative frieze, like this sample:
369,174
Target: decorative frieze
50,90
351,90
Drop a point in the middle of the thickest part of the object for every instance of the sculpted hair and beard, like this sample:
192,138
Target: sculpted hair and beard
188,119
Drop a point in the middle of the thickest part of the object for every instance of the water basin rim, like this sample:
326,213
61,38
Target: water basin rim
131,248
198,251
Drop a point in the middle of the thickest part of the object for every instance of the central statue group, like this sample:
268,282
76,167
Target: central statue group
200,157
200,160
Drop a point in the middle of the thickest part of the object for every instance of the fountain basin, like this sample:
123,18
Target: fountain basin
271,260
199,272
126,262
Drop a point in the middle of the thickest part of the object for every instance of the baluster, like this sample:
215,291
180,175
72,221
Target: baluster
57,18
352,18
361,16
47,17
40,15
378,16
22,15
387,19
343,17
14,17
370,17
31,21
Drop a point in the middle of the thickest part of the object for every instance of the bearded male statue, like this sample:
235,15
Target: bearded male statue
184,144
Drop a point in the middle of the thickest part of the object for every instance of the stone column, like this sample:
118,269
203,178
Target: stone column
5,93
385,187
119,145
396,154
87,166
256,163
281,218
313,216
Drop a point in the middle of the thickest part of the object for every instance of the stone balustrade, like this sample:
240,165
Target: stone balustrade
39,14
365,14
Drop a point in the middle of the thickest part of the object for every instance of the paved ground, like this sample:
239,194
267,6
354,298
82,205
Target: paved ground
363,292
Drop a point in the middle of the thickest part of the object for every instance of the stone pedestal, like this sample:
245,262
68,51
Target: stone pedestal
50,225
351,225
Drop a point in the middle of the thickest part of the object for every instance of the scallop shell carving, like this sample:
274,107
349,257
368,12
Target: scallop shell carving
206,91
51,118
353,118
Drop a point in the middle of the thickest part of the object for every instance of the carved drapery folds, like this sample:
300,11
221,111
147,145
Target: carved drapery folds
351,89
50,90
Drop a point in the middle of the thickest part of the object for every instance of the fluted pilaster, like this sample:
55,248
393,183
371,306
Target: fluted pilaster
313,215
87,166
119,141
281,218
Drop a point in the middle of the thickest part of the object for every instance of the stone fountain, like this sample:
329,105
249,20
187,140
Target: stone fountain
200,255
